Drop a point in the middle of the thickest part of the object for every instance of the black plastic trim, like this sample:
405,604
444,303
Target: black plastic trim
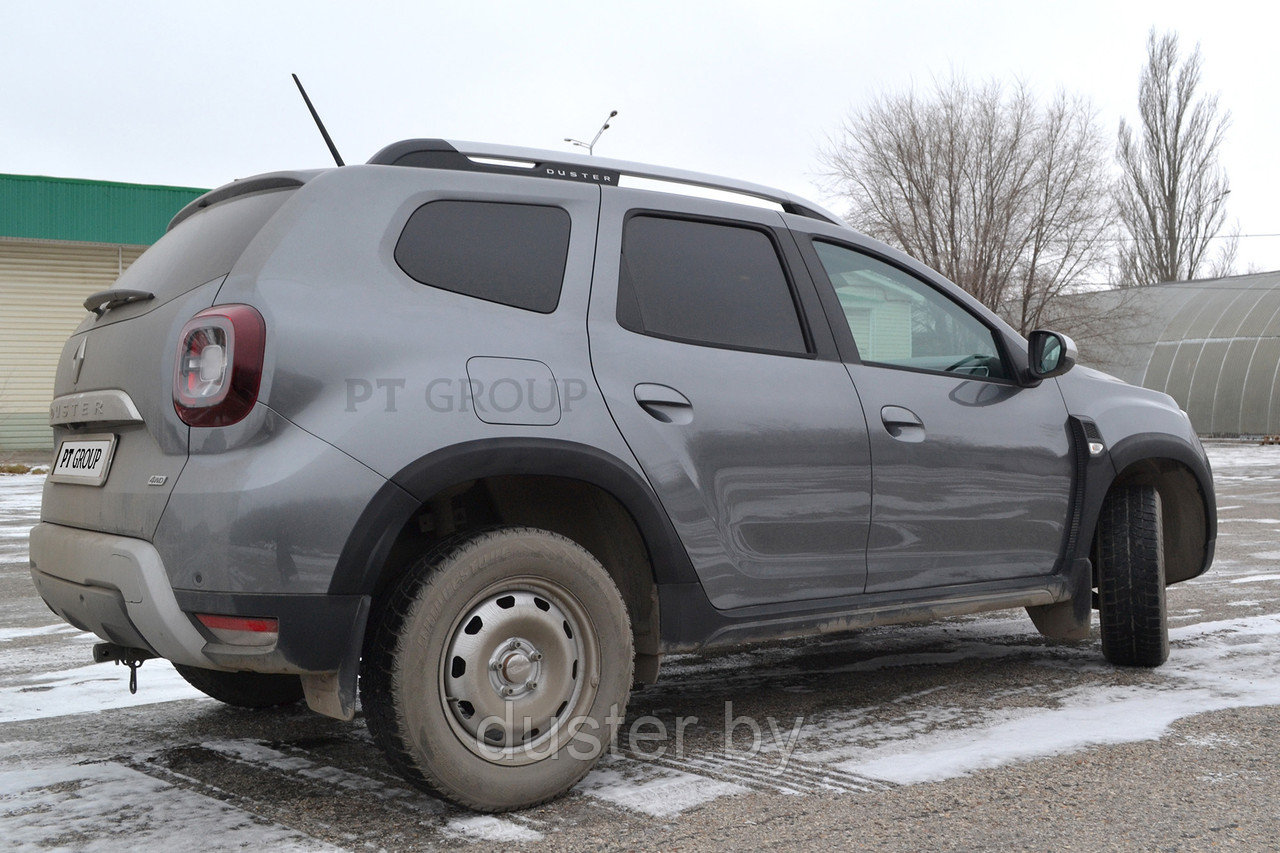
439,154
315,630
366,551
1078,430
1151,445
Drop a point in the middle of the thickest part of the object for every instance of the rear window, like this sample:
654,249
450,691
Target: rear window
202,247
513,254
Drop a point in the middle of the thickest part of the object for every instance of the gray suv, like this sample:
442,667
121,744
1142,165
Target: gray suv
480,433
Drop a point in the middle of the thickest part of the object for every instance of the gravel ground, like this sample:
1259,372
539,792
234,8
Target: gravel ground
968,734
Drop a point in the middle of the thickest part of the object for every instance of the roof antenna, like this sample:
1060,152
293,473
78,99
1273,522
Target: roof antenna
327,141
590,146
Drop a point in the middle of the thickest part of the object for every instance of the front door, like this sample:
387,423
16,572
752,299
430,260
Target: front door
972,471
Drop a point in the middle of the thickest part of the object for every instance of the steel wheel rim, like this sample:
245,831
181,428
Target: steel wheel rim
519,671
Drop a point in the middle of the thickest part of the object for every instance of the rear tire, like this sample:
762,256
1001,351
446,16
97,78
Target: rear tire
244,689
1131,586
497,668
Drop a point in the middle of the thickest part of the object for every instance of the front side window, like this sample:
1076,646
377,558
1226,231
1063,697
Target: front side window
513,254
896,319
706,283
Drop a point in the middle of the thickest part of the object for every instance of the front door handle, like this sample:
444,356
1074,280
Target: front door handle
903,424
664,403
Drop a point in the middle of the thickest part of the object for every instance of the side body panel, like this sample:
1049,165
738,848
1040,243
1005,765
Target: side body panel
375,363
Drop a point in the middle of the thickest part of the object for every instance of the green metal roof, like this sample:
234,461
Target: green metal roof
40,208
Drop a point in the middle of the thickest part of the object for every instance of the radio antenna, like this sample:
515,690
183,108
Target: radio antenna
590,146
315,115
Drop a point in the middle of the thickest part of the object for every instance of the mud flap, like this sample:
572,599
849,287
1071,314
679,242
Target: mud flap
333,694
1070,619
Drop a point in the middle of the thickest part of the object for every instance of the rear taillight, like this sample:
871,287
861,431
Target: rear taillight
241,631
219,369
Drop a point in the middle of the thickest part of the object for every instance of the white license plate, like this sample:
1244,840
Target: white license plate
84,460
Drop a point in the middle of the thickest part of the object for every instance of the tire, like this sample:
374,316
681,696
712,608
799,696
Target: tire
244,689
1131,586
497,668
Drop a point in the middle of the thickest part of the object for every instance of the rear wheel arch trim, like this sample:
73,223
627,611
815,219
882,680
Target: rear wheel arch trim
369,545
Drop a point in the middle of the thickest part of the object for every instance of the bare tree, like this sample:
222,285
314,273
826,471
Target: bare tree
1007,198
1172,193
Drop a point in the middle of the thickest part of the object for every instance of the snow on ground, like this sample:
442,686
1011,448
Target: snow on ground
655,791
1214,666
46,668
92,808
89,688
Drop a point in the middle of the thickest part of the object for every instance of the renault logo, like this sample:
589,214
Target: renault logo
77,361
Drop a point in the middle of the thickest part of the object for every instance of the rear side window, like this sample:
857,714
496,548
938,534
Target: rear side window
513,254
706,283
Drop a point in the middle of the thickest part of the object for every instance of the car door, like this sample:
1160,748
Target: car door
972,471
738,410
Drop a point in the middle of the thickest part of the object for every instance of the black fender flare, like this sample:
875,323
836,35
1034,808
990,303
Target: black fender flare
1152,445
367,548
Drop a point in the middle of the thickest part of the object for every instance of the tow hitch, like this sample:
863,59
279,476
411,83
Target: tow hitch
132,658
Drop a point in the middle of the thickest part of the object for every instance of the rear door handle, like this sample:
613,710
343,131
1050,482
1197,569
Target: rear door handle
664,403
903,424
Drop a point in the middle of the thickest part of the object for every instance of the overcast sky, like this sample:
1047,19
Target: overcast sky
198,94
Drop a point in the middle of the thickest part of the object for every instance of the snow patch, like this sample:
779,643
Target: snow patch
652,790
489,828
10,634
95,807
1228,664
91,688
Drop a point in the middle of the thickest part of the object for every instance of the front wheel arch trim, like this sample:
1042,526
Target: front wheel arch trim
1158,449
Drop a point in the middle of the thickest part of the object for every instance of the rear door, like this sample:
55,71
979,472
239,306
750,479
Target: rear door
972,471
737,408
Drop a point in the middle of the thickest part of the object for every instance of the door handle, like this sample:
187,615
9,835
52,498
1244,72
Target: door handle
664,403
903,424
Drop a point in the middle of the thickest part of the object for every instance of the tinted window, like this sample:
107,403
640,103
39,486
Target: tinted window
203,246
897,319
706,283
509,253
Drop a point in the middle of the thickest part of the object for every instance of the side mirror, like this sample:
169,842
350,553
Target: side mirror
1050,354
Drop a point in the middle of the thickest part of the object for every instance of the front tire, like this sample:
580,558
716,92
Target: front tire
244,689
498,668
1131,585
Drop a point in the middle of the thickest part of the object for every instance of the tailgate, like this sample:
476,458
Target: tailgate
122,444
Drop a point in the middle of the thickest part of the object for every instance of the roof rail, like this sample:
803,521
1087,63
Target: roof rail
512,160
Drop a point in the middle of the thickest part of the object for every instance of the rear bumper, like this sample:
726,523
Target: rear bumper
118,588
